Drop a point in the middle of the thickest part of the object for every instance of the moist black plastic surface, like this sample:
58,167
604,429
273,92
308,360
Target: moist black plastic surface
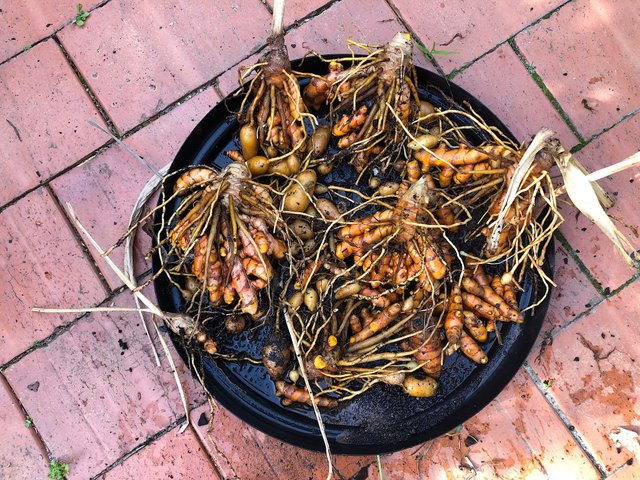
383,419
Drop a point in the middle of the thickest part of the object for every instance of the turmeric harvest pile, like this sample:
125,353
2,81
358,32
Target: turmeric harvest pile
415,262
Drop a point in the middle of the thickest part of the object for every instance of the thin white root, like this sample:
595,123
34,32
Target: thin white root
303,374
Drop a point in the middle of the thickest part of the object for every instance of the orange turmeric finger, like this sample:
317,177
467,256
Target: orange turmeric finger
445,176
383,319
242,285
309,271
317,91
446,217
229,293
292,394
510,295
470,348
348,140
480,167
344,250
194,176
349,123
453,322
248,247
235,155
459,156
507,312
436,267
374,236
401,276
463,174
413,171
481,277
200,251
261,241
478,306
257,268
341,127
474,326
355,324
497,286
429,354
362,226
414,252
375,297
258,283
215,297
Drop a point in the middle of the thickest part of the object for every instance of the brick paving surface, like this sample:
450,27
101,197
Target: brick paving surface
21,457
89,384
36,87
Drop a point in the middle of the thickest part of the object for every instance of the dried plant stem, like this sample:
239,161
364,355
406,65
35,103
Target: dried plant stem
629,162
519,175
146,193
277,25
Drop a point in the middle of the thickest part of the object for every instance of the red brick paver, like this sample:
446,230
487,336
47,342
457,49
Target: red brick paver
508,439
95,392
95,395
140,57
23,22
178,456
297,9
573,295
628,472
43,119
470,28
242,452
329,31
595,250
513,96
21,457
41,265
586,60
111,182
593,369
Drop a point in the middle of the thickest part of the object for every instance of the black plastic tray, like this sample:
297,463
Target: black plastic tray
384,419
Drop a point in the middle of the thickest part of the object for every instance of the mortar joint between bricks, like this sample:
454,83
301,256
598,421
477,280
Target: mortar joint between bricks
85,85
531,69
60,329
416,38
81,243
311,15
39,440
149,440
575,434
52,34
583,268
596,135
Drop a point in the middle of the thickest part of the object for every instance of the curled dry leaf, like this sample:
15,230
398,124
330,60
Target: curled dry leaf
583,196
